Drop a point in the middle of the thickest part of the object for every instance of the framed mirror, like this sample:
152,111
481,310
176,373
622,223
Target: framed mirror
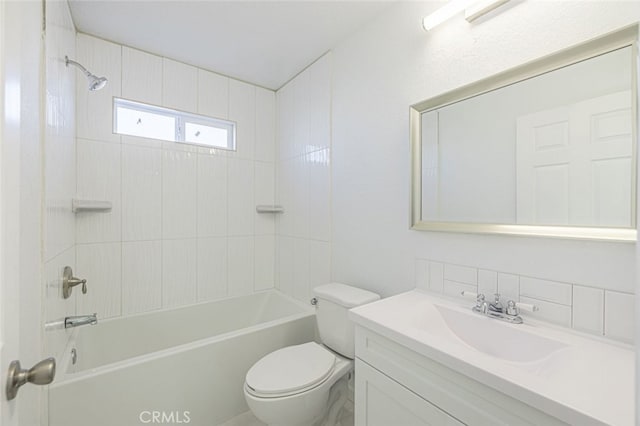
547,149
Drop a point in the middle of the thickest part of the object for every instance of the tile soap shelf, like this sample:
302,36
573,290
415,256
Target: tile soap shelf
78,206
269,209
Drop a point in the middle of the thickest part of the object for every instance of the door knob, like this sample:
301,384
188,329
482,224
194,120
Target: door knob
40,374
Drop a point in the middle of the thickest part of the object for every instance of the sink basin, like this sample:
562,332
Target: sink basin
498,339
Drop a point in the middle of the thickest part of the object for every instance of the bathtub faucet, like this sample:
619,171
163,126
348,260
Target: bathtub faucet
80,320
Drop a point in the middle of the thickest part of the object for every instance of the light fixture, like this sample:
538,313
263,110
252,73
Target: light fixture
95,82
446,12
480,8
473,10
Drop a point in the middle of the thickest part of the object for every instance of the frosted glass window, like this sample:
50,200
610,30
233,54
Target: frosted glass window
150,125
202,134
153,122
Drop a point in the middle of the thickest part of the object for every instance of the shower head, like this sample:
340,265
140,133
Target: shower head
95,82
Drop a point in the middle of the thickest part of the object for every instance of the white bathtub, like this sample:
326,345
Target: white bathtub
179,366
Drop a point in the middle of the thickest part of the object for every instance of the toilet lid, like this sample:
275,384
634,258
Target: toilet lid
291,369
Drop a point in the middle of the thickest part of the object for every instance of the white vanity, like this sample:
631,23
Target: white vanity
426,360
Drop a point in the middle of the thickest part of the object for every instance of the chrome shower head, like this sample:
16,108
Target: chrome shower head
95,82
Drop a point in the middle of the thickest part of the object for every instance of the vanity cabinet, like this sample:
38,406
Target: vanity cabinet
381,401
398,386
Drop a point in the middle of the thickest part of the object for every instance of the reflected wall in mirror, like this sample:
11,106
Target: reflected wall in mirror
548,148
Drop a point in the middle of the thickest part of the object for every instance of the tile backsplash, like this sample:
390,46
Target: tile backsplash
587,309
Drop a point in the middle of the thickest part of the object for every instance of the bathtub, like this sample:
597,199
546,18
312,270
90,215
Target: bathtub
178,366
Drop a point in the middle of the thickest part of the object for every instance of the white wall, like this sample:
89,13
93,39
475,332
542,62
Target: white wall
392,63
304,181
183,227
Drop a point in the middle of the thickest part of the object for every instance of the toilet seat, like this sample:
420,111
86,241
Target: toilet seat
290,370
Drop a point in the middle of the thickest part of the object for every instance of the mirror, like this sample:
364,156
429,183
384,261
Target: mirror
548,148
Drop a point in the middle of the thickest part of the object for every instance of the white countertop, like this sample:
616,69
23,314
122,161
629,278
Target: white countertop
590,381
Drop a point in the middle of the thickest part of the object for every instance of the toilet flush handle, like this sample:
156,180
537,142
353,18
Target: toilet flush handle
314,301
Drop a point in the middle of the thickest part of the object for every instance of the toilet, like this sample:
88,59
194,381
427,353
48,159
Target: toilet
306,385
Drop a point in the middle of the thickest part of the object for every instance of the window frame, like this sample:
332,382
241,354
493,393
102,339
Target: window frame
181,119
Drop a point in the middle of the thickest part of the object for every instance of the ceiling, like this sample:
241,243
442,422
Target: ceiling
261,42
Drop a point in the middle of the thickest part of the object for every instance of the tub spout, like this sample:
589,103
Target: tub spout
80,320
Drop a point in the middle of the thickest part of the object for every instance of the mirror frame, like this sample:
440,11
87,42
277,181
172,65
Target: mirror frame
624,37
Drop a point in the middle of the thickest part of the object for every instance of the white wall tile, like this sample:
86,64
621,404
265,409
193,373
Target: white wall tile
265,141
141,193
285,121
94,110
264,272
619,315
588,309
422,274
242,110
285,173
301,290
101,266
56,307
142,142
551,312
302,106
141,76
241,206
264,195
212,268
436,277
178,194
461,274
179,86
213,94
455,289
487,282
99,176
141,276
299,204
320,103
550,291
212,196
241,265
319,263
284,264
508,287
319,190
179,275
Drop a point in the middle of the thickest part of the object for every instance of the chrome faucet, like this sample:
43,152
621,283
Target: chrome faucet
77,321
496,309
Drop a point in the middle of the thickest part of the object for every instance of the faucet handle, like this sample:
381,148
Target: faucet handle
512,308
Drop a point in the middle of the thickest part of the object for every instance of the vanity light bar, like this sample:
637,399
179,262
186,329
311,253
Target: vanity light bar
473,10
446,12
481,8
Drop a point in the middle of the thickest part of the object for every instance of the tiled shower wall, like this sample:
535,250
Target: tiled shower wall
585,308
183,227
59,172
303,176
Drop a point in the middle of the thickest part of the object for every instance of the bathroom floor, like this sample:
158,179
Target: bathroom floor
248,419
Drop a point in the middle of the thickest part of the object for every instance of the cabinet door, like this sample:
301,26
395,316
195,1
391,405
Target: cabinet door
381,401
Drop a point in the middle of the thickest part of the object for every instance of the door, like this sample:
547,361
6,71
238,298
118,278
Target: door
20,204
575,164
381,401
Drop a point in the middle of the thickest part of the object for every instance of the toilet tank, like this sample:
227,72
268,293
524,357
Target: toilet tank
333,303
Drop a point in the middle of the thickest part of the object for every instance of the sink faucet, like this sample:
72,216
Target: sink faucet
79,320
496,310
